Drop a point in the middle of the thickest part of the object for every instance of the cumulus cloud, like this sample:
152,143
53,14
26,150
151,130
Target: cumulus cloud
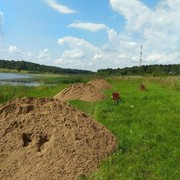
157,29
70,63
84,55
92,27
80,54
43,54
79,43
60,8
73,54
14,50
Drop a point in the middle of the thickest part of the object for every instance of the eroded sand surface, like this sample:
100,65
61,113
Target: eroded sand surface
45,138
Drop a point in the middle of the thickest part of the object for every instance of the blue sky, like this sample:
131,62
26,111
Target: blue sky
90,34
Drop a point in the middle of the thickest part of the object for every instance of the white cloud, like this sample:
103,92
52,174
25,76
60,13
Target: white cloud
97,57
14,50
157,29
92,27
43,54
73,54
161,58
70,63
60,8
90,57
29,56
75,43
135,12
80,54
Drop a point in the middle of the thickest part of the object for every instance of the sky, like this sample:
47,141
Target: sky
90,34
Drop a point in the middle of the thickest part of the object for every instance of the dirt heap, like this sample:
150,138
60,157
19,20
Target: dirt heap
80,91
100,84
45,138
90,91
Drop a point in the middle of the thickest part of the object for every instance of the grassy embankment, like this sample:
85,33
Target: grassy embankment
146,125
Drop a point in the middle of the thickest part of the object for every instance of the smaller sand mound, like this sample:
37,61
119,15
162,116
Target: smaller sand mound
100,84
80,91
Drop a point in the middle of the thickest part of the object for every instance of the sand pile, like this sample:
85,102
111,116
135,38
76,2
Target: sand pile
45,138
80,91
90,91
100,84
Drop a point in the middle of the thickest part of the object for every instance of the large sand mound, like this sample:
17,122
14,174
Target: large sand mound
100,84
80,91
46,139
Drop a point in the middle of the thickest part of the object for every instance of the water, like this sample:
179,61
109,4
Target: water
15,79
6,76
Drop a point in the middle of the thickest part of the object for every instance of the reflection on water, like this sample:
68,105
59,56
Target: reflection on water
4,76
5,79
19,83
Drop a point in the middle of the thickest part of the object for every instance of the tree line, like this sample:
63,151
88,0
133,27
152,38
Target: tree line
34,67
154,70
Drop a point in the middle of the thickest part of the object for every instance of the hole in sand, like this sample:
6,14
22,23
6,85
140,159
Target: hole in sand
42,140
26,139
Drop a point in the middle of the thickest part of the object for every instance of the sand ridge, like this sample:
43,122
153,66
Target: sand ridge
45,138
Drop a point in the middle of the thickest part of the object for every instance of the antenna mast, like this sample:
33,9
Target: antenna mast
140,59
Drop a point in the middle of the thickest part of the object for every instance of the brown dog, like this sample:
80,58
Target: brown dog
116,97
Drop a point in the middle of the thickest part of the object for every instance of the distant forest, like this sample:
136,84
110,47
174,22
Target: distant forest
154,70
33,67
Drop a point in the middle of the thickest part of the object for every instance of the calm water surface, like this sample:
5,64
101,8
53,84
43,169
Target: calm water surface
5,78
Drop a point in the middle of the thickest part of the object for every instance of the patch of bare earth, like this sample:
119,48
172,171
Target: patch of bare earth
45,138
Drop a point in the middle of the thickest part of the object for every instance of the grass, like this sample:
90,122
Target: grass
8,92
51,85
146,125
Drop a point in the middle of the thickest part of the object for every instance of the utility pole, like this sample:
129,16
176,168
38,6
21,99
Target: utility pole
140,59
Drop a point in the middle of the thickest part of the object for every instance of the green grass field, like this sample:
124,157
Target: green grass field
147,127
145,123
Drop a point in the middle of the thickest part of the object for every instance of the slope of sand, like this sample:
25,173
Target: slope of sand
100,84
80,91
90,91
44,138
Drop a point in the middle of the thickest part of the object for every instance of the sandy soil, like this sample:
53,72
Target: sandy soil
100,84
45,138
91,91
